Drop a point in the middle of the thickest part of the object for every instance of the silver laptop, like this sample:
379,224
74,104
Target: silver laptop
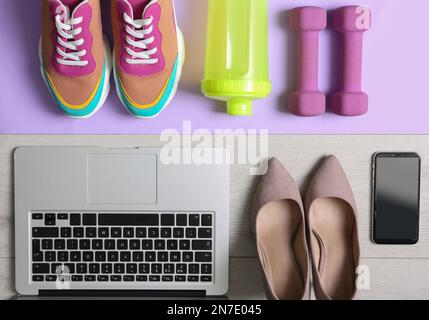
119,222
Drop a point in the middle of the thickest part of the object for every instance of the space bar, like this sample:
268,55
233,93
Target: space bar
142,219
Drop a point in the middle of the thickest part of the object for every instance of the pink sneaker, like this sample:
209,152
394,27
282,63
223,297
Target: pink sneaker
75,58
148,56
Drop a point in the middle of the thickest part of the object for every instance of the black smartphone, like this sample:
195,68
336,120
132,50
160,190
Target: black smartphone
396,198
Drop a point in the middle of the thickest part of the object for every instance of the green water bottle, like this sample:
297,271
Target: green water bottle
236,69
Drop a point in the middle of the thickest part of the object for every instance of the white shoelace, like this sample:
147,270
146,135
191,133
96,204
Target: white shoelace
67,31
140,29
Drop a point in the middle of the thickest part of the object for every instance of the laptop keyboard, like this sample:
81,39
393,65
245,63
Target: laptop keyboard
108,247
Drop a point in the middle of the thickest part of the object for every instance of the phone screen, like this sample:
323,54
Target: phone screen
396,198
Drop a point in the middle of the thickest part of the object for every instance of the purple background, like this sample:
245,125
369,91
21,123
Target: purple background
396,76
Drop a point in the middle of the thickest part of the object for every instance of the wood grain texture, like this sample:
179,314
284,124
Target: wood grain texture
300,155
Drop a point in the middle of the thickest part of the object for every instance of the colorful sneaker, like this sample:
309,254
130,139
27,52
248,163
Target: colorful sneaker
75,58
148,56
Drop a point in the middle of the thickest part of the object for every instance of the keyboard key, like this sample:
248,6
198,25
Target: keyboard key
66,232
181,220
50,219
207,220
147,245
194,268
41,268
141,232
169,268
78,232
172,245
100,256
119,268
203,257
56,268
63,256
112,256
91,232
50,256
138,256
75,256
84,244
50,278
62,216
141,278
106,268
102,278
165,232
178,232
109,244
128,233
206,269
47,244
81,268
60,244
37,216
131,268
167,278
116,232
184,245
38,257
194,220
144,268
191,233
201,245
115,278
175,256
45,232
128,219
193,278
180,278
206,279
188,256
150,256
88,256
72,244
163,256
167,220
90,278
153,232
37,278
159,244
75,219
94,268
125,256
134,244
181,268
97,244
36,245
154,278
67,268
205,233
103,232
89,219
129,278
77,278
122,244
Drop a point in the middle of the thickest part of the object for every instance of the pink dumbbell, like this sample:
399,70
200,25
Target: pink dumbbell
308,100
351,22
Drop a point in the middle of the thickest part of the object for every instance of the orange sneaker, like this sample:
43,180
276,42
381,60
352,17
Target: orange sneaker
148,55
75,59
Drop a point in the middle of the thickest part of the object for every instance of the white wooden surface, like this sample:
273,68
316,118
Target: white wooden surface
397,272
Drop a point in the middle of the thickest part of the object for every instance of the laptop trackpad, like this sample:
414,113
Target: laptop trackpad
122,179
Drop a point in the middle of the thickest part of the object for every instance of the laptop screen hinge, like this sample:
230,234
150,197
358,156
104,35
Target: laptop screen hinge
124,293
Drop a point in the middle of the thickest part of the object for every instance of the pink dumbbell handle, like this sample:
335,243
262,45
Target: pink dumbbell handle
352,61
308,60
